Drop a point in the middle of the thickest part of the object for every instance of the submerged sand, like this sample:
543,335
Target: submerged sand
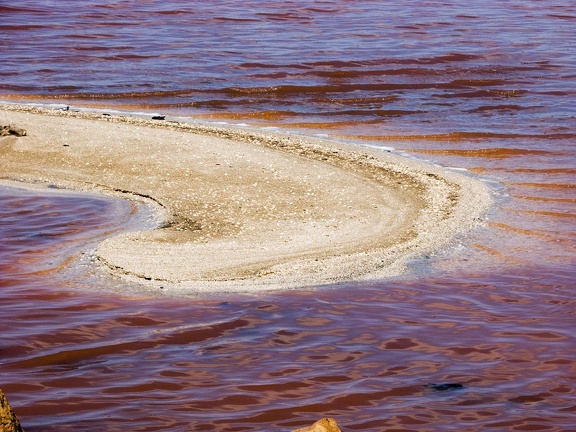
244,210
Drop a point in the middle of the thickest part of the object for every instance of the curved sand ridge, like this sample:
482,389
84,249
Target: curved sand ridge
244,210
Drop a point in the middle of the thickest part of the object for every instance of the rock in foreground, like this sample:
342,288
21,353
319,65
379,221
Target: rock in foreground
8,420
324,425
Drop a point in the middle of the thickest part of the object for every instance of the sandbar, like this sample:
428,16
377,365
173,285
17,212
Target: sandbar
244,209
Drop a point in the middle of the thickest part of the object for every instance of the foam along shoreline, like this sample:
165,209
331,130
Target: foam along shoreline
245,210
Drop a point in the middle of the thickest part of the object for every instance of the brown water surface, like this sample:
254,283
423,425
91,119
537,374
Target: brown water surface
486,87
78,355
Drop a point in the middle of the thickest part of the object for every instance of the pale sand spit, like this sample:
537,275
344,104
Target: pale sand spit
244,210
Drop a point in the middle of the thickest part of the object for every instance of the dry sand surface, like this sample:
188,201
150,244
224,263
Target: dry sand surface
244,210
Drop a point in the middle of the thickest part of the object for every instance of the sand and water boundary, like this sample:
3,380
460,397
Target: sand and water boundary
244,210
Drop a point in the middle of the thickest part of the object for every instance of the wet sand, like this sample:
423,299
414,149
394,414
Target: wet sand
244,210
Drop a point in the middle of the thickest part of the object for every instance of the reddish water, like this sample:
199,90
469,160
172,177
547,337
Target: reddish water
489,88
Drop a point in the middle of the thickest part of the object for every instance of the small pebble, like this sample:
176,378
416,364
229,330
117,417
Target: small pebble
445,386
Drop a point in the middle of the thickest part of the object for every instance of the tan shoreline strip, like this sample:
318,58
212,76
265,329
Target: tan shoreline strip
246,211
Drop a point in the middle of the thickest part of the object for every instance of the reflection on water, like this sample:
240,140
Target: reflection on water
94,359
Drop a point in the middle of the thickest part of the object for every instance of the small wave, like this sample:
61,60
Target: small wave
461,136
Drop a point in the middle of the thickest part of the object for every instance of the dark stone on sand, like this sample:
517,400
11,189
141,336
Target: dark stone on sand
8,420
158,117
12,130
445,386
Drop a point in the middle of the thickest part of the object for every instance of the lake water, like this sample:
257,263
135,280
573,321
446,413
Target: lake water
489,88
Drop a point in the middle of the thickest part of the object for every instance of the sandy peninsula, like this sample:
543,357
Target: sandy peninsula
244,210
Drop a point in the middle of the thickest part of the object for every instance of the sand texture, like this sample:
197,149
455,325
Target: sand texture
244,210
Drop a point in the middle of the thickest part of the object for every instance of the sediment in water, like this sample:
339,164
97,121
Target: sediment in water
245,210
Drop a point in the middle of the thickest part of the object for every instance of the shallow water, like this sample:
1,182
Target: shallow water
489,88
78,357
